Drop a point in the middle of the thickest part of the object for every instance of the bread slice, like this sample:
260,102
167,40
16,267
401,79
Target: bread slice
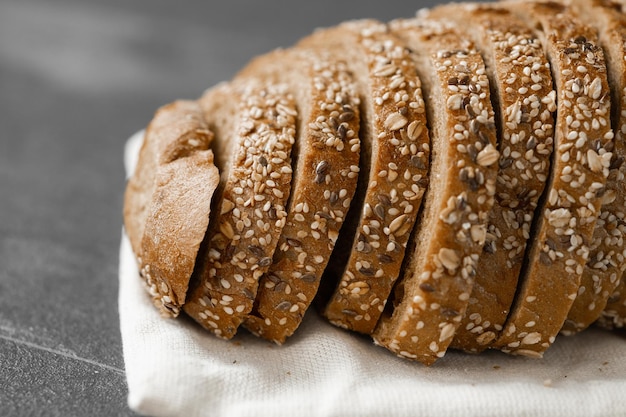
325,179
521,87
607,259
432,296
556,258
168,201
254,129
394,171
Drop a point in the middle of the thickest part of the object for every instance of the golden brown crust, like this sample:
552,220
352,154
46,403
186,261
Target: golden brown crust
167,201
607,258
325,179
432,296
522,87
564,229
396,147
241,239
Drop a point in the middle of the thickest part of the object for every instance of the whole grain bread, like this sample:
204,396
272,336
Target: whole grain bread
168,201
494,260
564,228
607,258
432,296
254,129
521,87
324,183
395,152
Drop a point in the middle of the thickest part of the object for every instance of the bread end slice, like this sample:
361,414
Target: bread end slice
168,200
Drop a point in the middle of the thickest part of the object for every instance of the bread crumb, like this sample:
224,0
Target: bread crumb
547,383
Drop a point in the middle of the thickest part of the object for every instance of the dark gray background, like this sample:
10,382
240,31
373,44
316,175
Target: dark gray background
76,79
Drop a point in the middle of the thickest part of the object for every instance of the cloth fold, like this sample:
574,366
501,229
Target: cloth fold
174,368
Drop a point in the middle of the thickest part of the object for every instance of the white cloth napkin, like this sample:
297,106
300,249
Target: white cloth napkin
174,368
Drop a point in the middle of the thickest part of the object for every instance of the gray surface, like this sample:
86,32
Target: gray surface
76,79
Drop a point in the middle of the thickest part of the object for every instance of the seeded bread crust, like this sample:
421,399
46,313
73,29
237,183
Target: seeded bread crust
614,314
564,229
521,87
432,296
324,183
255,137
167,201
394,171
607,259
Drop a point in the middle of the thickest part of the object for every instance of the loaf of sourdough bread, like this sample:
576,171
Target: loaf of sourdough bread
511,132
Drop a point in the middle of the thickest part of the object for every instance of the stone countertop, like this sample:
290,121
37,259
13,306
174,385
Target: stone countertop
77,78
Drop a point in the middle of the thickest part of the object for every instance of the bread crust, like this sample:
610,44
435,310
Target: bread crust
560,249
431,298
521,86
241,239
167,201
394,171
325,179
614,314
607,258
